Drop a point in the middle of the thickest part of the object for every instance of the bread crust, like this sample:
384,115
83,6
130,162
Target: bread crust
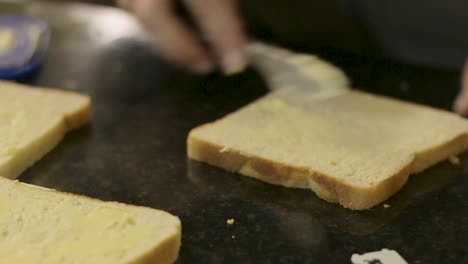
80,117
325,186
163,253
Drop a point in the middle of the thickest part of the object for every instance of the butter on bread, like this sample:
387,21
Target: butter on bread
43,226
33,121
355,149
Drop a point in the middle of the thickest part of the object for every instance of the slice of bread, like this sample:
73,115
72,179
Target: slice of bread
33,121
354,149
43,226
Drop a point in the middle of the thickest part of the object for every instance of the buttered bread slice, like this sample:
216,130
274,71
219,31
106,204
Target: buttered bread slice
354,149
43,226
33,121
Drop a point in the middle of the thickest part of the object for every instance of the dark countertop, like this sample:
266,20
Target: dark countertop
134,152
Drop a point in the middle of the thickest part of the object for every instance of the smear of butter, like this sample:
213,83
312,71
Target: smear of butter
75,232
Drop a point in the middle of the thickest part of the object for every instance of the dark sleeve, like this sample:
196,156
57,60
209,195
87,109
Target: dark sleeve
428,32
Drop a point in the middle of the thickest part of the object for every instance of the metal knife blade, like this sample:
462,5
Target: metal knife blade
296,77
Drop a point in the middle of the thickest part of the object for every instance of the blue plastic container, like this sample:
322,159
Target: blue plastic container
23,45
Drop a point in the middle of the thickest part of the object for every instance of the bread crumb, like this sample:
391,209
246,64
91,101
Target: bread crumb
386,205
454,160
230,221
224,149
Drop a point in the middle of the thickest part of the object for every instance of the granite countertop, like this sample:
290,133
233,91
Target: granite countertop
134,151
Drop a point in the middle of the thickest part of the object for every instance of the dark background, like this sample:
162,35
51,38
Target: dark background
423,32
134,150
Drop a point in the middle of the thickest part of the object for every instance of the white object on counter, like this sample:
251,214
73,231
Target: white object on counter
385,256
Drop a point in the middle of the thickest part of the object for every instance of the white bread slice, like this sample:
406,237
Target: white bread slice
43,226
354,149
33,121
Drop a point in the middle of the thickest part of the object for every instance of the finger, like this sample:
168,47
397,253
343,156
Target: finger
171,36
461,103
222,28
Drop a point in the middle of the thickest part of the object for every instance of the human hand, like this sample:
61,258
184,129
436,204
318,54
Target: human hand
461,103
219,25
